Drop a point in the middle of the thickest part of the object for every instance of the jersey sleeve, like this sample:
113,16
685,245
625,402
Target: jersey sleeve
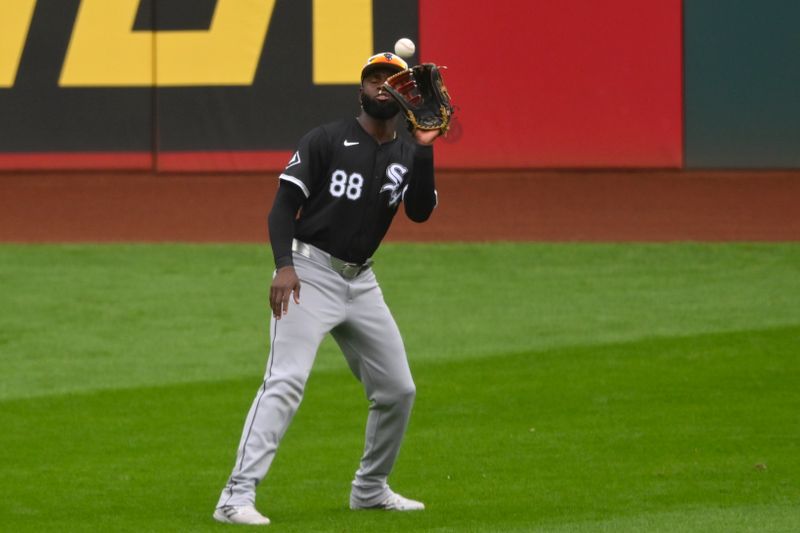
281,223
304,167
419,196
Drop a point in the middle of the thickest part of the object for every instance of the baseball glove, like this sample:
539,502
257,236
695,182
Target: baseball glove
421,93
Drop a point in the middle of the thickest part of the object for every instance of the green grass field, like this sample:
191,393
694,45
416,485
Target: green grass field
564,387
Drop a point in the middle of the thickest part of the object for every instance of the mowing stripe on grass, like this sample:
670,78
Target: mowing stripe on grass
80,318
690,433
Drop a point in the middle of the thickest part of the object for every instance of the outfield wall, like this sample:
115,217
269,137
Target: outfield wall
742,83
231,85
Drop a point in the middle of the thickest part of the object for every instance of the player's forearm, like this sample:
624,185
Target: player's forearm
420,196
281,223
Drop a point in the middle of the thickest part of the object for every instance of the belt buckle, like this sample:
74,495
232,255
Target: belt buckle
351,270
348,270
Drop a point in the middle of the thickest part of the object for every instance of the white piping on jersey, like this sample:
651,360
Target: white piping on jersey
292,179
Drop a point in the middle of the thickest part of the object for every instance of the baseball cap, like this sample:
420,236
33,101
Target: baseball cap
383,60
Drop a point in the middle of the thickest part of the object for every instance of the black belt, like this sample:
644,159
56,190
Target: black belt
343,268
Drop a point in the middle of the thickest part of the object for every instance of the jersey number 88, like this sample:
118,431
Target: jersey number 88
342,184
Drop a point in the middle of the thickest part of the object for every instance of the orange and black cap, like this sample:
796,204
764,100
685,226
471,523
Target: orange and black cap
383,60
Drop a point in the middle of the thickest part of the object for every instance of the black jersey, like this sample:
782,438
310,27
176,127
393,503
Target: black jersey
353,187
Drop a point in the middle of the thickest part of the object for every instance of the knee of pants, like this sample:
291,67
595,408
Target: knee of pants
289,387
401,396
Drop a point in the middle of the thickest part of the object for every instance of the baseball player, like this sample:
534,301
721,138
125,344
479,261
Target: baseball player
346,180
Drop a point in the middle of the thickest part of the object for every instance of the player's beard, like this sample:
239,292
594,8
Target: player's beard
379,110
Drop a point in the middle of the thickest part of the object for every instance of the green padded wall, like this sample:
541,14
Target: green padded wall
742,83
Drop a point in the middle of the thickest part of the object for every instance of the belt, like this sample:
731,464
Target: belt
343,268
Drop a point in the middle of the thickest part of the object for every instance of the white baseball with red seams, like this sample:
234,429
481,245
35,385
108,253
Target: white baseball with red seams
404,47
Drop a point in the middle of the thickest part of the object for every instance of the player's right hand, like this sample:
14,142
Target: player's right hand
284,284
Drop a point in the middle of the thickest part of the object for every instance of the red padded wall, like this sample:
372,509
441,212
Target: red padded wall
538,83
559,84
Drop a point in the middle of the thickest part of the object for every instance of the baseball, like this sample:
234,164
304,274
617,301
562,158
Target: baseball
404,48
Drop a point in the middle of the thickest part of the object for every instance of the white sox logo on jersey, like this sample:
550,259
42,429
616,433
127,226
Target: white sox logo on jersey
395,172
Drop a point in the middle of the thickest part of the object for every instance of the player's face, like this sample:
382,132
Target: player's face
375,101
374,81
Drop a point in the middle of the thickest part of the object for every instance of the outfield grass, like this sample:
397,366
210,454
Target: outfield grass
560,388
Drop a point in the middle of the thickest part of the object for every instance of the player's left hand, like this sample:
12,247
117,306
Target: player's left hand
426,137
